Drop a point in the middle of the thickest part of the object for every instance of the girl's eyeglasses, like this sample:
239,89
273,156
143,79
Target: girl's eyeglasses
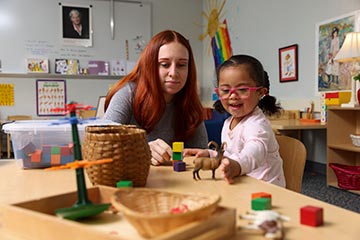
242,92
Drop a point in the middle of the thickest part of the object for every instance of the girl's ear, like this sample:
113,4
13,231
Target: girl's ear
263,91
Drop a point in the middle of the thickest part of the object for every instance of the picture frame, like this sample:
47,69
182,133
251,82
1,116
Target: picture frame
329,37
288,63
37,65
50,95
100,109
76,25
67,66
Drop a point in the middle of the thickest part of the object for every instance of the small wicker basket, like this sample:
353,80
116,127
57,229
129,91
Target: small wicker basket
348,176
355,138
128,148
150,211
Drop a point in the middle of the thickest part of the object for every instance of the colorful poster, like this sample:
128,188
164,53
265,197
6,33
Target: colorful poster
50,96
6,94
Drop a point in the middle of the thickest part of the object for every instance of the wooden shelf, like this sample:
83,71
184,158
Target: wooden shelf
345,147
51,75
341,123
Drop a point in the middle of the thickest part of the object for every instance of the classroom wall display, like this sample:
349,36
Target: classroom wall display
76,25
288,63
45,39
37,65
50,95
96,67
67,66
6,94
330,35
218,33
118,67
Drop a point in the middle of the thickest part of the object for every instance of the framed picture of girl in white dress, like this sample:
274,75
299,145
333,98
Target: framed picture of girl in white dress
330,35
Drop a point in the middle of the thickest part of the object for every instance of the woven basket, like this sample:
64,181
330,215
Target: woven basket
348,176
151,211
128,148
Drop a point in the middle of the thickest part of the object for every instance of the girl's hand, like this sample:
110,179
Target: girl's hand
230,169
197,152
160,152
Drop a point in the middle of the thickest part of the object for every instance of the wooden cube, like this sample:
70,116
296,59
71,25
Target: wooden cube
261,204
311,216
177,156
179,166
178,146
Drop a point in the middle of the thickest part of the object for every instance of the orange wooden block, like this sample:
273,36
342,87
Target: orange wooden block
260,195
55,159
36,156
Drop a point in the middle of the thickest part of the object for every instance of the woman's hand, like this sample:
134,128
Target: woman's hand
160,152
197,152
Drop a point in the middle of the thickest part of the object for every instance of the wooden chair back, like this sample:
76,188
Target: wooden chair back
293,153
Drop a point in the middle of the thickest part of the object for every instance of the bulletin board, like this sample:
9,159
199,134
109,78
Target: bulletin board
50,97
37,33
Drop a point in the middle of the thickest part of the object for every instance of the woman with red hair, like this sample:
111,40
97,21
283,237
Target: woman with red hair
160,96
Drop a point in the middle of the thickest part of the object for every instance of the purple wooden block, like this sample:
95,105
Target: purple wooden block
179,166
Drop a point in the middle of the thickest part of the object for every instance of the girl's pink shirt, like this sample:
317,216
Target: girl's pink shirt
252,143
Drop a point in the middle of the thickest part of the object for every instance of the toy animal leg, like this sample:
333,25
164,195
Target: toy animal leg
196,174
213,174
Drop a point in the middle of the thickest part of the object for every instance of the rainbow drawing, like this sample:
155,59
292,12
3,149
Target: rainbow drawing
221,45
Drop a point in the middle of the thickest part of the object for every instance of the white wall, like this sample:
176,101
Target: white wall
260,28
166,14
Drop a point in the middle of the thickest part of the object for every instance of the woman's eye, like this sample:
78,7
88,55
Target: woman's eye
162,64
182,65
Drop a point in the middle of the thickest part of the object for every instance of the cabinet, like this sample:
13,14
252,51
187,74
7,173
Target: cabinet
341,123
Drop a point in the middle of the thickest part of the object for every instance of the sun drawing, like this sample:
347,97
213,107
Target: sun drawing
213,18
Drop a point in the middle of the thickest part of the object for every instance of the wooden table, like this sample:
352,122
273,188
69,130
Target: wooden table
293,127
20,185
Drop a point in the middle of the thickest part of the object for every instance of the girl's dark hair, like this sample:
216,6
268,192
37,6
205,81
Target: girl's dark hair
256,71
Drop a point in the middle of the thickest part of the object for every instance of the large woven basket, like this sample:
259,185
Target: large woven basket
348,176
152,213
128,148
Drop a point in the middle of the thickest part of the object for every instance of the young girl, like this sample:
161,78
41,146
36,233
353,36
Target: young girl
251,147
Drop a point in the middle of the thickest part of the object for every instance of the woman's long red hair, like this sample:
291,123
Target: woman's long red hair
149,102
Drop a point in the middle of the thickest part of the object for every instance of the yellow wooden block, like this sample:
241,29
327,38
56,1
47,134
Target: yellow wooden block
178,146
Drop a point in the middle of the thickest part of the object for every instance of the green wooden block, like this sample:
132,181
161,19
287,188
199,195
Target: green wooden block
177,156
261,204
124,183
55,150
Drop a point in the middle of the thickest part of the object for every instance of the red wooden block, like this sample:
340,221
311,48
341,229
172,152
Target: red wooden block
311,216
65,150
36,156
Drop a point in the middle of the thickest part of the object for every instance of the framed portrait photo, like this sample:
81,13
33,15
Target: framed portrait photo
76,25
288,63
330,35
